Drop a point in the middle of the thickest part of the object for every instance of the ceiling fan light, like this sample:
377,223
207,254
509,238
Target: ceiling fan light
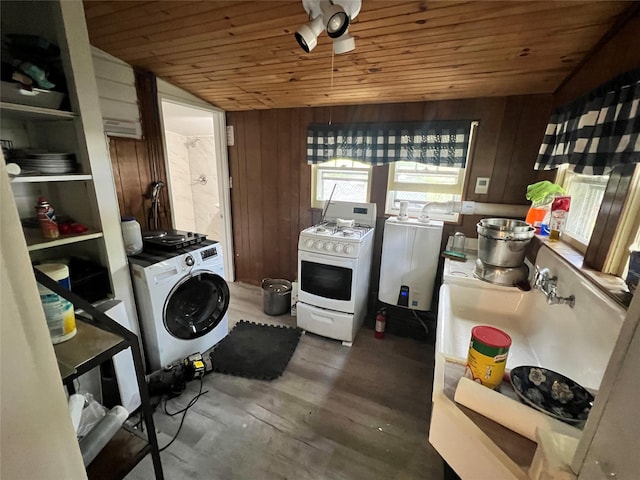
307,34
344,44
336,20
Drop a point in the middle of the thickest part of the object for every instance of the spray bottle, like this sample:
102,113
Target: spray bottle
47,219
559,214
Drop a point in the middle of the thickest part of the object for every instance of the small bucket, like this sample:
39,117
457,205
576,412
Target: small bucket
58,311
276,296
487,358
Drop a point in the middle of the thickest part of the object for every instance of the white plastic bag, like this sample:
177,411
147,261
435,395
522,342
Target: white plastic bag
92,413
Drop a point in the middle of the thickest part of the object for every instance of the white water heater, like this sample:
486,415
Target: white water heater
410,253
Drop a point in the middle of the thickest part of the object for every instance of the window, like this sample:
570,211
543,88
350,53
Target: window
598,133
351,180
627,233
426,159
419,183
586,193
589,228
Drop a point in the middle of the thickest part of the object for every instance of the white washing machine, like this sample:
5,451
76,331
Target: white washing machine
182,299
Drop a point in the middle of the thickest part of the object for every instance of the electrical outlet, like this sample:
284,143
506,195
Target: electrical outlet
482,185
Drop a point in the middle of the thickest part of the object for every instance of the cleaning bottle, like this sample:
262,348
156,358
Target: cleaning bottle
47,219
559,215
541,195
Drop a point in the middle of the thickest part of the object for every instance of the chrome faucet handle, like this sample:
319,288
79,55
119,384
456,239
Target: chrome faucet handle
541,276
552,282
553,299
548,285
570,300
536,275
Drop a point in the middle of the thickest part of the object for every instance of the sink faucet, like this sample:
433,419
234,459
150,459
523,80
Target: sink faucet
548,285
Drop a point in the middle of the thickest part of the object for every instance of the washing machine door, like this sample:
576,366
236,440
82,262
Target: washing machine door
196,305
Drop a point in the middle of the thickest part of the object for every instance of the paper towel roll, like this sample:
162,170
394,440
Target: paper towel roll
99,436
13,169
506,411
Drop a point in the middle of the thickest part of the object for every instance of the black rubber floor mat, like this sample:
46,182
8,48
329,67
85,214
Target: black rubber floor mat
255,350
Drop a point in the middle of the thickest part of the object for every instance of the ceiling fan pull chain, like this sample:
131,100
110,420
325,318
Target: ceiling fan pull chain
331,85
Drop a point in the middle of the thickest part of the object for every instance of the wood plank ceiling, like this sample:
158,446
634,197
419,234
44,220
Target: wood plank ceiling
242,55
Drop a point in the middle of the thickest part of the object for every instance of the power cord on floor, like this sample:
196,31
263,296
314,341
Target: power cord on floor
140,424
184,411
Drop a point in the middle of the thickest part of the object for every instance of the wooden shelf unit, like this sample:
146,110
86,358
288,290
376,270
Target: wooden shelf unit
69,177
27,112
119,456
89,197
36,242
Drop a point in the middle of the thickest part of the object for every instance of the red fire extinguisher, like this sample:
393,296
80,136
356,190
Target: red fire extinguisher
381,322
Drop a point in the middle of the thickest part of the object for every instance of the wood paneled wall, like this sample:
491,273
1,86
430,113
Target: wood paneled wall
616,55
133,178
138,164
132,174
271,200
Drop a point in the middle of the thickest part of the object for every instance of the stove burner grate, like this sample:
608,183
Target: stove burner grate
331,229
171,239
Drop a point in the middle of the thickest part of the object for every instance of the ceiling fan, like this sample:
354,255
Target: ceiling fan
334,16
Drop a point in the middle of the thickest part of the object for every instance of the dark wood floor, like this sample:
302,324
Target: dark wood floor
336,413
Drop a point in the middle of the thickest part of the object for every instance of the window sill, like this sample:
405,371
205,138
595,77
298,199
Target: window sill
446,221
613,286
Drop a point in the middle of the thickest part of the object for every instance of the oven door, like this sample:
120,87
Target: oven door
327,281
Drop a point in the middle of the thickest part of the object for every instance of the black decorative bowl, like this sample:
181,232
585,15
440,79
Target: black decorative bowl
552,393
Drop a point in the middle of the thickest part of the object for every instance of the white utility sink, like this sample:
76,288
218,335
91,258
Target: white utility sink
576,342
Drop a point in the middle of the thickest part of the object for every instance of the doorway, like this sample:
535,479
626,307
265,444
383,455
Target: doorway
198,173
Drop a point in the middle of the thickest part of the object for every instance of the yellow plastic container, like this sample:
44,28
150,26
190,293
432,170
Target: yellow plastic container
58,311
487,358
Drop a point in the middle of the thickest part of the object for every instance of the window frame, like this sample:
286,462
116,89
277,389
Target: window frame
565,178
318,167
611,234
453,218
451,189
627,230
461,184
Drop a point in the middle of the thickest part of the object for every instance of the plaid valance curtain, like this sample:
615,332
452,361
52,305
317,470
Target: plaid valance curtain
443,143
596,132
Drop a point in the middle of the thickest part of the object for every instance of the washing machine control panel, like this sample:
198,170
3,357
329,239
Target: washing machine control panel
210,252
189,261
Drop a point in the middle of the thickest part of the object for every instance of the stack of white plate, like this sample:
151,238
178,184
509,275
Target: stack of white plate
49,163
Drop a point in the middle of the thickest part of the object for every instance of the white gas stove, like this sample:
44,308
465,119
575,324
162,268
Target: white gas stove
334,265
334,240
